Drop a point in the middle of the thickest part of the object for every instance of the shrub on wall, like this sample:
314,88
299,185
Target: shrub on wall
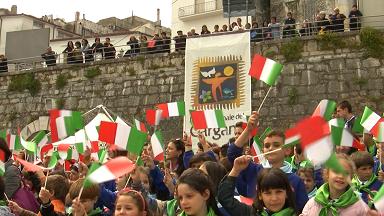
23,82
372,42
292,50
330,41
61,81
92,72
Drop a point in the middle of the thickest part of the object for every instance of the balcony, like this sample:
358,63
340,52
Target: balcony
206,8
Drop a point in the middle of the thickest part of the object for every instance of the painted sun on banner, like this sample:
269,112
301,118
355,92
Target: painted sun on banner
216,78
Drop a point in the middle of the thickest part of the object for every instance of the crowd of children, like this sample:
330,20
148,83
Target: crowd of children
215,181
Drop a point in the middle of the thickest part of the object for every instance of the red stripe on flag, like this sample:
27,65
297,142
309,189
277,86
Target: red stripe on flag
257,66
253,132
2,156
53,115
107,132
120,166
45,149
142,127
376,128
164,107
312,129
198,120
150,116
95,146
159,157
63,147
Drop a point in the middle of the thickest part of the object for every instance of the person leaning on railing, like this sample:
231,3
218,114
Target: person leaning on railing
50,57
69,51
180,41
97,49
354,18
289,29
86,49
3,64
134,45
109,50
166,42
77,54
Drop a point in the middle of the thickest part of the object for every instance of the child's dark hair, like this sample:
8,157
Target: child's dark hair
273,179
137,197
199,158
216,173
59,186
362,158
307,171
199,181
179,144
34,178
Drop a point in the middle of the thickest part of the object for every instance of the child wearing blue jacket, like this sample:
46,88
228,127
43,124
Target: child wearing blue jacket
246,181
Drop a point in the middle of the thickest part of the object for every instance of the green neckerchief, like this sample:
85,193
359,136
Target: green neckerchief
346,199
3,203
312,193
284,212
359,186
171,207
94,212
287,167
210,213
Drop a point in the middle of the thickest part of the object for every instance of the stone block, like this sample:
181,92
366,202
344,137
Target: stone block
371,62
336,64
333,86
315,59
311,45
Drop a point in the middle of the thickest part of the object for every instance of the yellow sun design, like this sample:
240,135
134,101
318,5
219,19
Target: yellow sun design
228,71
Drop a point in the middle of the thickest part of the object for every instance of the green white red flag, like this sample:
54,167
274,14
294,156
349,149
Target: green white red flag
325,109
123,136
343,137
292,137
64,123
373,123
14,142
2,162
157,143
140,126
265,69
256,151
208,119
92,128
153,116
172,109
28,145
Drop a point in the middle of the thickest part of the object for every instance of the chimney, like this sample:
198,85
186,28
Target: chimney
158,16
77,16
14,9
83,16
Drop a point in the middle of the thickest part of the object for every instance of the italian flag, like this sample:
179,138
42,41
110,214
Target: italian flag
111,170
153,116
64,123
370,119
123,136
14,142
64,151
315,139
342,137
208,119
378,200
53,161
325,109
245,200
292,137
378,131
91,129
336,122
256,150
40,139
140,126
2,162
46,150
157,146
28,145
265,69
172,109
81,141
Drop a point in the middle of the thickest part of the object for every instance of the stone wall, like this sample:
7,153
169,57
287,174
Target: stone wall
128,86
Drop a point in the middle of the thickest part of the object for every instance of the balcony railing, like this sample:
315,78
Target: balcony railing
201,8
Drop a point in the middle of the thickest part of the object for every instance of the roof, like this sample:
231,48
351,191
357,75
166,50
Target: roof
40,20
103,35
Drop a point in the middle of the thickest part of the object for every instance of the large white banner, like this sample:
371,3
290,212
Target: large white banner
216,77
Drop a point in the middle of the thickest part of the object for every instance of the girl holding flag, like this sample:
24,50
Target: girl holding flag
336,196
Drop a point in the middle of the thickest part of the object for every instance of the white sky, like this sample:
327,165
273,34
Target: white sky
94,10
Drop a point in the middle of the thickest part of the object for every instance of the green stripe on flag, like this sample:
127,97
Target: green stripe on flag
274,74
94,166
53,161
220,118
181,108
265,133
336,135
136,141
357,127
334,164
3,134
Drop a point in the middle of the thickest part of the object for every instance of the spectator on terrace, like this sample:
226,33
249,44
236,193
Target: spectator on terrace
234,27
134,45
256,33
3,63
109,50
238,21
193,31
189,34
306,29
266,31
289,26
180,41
338,20
143,44
97,49
354,18
248,26
157,44
86,49
216,29
224,28
204,30
275,28
50,57
69,51
77,54
322,23
166,42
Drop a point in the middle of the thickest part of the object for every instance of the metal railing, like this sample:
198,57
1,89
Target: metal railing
200,8
177,44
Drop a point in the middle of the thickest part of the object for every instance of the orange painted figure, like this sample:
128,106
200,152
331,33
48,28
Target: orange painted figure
216,83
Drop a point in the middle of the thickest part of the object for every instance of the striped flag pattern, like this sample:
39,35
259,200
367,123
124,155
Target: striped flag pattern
265,69
153,117
343,137
208,119
123,136
64,123
292,137
2,162
325,109
140,126
256,150
172,109
157,146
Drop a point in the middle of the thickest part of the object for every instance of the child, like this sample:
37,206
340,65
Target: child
307,174
195,194
132,203
365,181
274,195
336,196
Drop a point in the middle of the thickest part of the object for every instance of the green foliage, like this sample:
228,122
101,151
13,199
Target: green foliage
154,66
59,103
23,82
92,72
270,54
61,81
330,41
141,60
292,50
131,71
293,96
360,81
372,41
